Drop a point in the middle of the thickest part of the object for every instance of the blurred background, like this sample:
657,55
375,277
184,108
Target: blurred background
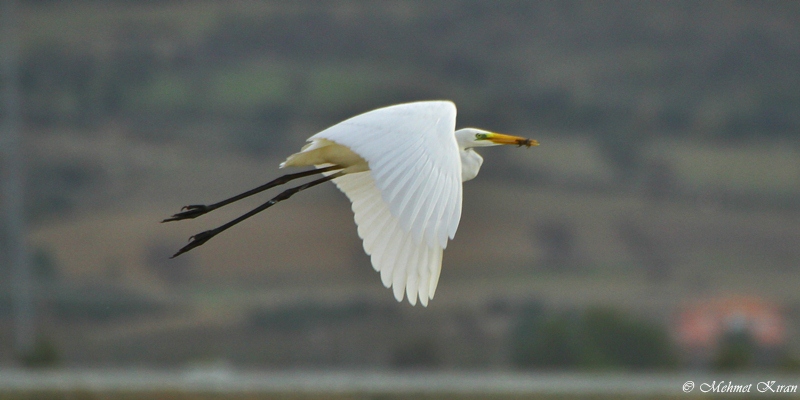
656,228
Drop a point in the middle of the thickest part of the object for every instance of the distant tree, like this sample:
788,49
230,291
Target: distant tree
552,345
627,342
593,339
737,351
43,354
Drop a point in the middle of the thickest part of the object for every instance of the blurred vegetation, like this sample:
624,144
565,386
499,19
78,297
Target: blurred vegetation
737,351
101,303
43,354
301,317
256,78
500,61
268,74
594,339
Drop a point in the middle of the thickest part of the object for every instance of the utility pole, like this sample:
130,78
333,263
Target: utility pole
12,179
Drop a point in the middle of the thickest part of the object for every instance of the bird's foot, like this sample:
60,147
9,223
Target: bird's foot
197,240
189,212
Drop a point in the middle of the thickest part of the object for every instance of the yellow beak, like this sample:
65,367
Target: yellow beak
500,138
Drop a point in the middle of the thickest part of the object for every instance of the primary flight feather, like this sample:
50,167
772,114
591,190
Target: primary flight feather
401,167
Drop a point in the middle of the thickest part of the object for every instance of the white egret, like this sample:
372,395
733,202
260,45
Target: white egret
401,167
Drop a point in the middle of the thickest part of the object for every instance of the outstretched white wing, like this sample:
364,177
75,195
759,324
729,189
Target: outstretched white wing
409,203
408,266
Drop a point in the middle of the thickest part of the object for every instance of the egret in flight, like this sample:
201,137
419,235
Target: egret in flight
401,167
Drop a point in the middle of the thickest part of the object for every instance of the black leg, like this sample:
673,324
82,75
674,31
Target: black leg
196,210
203,237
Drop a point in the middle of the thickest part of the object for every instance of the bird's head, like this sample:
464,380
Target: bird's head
473,137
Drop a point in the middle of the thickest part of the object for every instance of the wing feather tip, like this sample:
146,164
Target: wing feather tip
399,293
424,301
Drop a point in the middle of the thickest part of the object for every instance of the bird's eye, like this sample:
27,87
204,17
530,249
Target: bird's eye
481,136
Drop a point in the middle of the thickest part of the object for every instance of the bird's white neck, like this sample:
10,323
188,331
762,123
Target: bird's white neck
471,163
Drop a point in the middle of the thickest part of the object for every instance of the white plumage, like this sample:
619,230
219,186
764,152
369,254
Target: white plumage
401,167
410,265
408,204
407,198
